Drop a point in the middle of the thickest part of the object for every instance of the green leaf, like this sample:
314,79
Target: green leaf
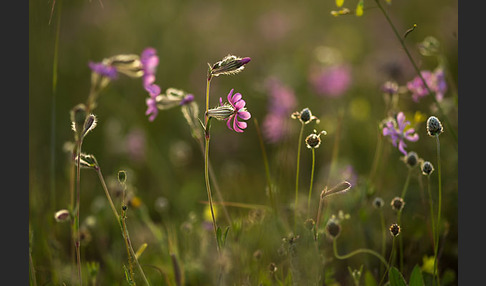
369,279
396,278
416,278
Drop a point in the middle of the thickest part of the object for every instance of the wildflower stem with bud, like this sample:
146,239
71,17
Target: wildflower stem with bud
312,178
437,228
299,146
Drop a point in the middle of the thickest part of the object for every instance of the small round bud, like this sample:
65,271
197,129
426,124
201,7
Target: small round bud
62,215
434,126
124,207
395,229
378,203
397,204
411,159
122,176
427,168
333,228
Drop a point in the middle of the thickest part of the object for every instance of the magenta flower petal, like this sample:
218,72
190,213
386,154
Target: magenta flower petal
235,125
228,122
229,96
236,98
401,147
241,125
245,115
239,104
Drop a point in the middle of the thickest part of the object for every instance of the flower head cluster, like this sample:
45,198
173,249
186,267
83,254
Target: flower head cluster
305,116
394,229
427,168
435,81
231,111
396,130
150,61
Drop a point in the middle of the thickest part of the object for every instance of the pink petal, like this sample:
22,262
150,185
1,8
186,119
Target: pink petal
242,125
401,147
240,104
236,97
401,121
228,122
235,126
245,115
229,96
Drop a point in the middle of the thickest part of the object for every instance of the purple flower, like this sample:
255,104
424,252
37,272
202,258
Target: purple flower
187,99
398,134
152,109
282,102
240,111
104,70
435,81
150,61
332,81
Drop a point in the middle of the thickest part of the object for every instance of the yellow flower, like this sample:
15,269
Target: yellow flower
428,264
207,213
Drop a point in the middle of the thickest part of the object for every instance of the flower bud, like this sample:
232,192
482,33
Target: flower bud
221,112
305,116
313,141
411,159
395,229
427,168
122,176
129,65
228,65
333,229
434,126
397,204
378,202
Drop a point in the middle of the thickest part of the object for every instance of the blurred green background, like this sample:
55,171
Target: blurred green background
283,39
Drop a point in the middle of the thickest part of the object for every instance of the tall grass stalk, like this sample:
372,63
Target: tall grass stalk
390,259
78,197
417,70
434,230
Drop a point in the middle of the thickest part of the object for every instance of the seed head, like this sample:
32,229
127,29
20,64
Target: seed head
427,168
395,229
411,159
333,228
397,204
434,126
313,141
378,203
305,116
122,176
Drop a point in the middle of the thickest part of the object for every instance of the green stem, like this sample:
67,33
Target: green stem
383,236
437,228
267,169
297,172
312,179
78,195
390,259
400,240
431,203
358,251
402,43
208,186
